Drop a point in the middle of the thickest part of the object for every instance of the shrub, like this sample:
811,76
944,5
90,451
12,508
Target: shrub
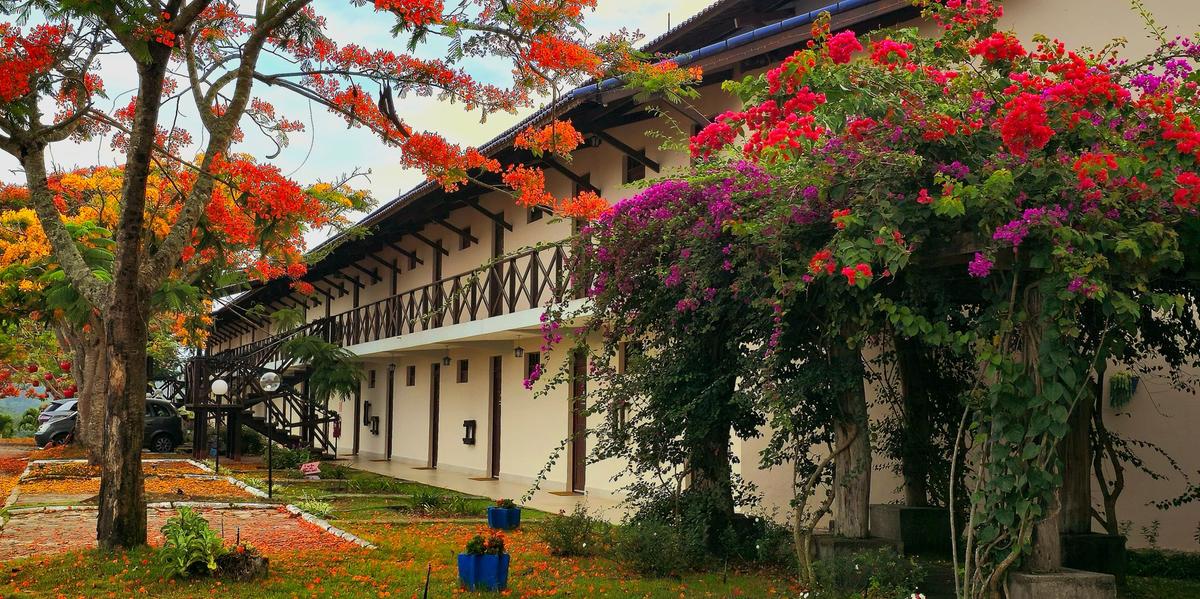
334,471
493,545
879,574
577,533
283,458
1165,564
190,547
315,505
252,442
427,502
458,505
653,548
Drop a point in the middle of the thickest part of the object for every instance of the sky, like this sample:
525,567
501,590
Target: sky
327,150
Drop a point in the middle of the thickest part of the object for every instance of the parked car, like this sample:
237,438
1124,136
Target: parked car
164,428
57,409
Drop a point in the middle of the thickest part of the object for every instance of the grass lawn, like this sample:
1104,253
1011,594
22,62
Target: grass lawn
396,569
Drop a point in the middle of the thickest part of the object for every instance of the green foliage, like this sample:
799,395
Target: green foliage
334,471
879,574
333,370
190,547
6,425
1165,564
1120,389
253,443
575,534
493,545
315,505
656,549
283,458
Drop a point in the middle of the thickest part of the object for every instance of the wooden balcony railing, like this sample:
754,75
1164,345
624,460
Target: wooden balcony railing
530,279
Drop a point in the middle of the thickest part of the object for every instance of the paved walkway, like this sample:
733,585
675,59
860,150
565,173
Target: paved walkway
603,505
269,529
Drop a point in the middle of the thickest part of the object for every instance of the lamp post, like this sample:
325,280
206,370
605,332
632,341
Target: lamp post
219,389
270,381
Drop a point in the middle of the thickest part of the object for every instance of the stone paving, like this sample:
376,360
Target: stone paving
34,533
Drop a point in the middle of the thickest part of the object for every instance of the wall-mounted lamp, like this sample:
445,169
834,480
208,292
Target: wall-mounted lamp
518,352
446,359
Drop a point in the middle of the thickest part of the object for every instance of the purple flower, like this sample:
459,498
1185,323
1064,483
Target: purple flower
980,267
811,192
956,170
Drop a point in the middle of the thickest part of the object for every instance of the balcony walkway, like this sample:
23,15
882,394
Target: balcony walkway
602,505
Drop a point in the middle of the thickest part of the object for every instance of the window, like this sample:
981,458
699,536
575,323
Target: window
464,240
634,170
532,360
462,371
578,188
371,379
410,376
534,214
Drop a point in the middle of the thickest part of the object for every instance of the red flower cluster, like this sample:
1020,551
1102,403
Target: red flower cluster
552,53
842,47
999,46
882,51
839,217
853,272
822,261
715,136
559,137
530,185
443,161
1183,132
414,13
23,59
1024,125
788,76
1092,169
1188,194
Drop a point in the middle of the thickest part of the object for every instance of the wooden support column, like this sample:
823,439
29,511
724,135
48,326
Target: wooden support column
852,468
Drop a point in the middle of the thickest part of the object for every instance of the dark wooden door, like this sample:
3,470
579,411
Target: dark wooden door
391,400
435,403
578,421
497,361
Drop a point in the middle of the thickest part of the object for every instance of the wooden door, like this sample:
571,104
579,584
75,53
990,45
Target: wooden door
435,402
578,426
497,362
391,400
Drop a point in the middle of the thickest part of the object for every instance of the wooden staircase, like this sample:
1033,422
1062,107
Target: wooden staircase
287,415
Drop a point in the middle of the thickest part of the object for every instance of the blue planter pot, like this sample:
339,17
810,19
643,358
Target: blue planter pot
504,518
483,572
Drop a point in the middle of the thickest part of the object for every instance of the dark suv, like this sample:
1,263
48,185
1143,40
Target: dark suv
164,428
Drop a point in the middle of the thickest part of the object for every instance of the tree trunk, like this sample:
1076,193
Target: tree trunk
122,513
915,451
852,469
90,371
1077,460
709,461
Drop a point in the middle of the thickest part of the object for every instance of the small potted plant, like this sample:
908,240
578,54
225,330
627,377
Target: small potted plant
505,515
484,564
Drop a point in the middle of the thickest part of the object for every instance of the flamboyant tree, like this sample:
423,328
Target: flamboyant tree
212,52
252,228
